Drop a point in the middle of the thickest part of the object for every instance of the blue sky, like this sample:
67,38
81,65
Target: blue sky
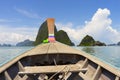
21,19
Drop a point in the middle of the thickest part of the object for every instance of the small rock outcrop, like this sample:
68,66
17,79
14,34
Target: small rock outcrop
98,43
89,41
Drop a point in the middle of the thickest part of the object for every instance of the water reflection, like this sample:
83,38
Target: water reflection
88,50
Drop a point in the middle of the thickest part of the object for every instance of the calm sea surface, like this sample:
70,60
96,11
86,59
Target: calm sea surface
8,53
108,54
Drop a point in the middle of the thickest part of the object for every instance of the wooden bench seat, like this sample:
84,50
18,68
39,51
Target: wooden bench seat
52,69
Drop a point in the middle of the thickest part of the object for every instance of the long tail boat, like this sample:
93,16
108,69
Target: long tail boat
57,61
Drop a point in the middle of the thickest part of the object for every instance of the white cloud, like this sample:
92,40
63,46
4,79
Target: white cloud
14,35
28,13
99,27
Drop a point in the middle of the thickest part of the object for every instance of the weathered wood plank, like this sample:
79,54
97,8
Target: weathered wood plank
97,73
117,78
52,69
7,76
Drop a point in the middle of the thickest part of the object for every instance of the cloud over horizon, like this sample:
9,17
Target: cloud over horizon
10,35
99,27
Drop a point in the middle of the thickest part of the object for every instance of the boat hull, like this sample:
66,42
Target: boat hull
55,61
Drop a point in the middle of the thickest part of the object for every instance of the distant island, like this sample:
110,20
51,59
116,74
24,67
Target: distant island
25,43
89,41
118,44
5,45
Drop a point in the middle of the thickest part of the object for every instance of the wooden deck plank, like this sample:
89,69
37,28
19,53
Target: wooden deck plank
85,63
83,76
7,76
117,78
52,69
97,73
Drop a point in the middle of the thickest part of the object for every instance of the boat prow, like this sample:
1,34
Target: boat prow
56,61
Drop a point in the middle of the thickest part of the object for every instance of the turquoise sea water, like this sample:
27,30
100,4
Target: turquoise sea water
8,53
108,54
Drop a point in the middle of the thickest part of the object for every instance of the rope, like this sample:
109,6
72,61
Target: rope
66,73
56,73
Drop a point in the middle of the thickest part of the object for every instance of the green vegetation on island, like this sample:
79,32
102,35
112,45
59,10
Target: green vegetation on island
89,41
43,33
60,36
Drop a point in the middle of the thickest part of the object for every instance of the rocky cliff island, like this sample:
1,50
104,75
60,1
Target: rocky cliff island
60,36
89,41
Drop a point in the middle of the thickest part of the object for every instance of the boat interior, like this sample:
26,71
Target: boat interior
56,66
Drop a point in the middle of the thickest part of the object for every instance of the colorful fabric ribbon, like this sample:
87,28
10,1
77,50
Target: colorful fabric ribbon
51,38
